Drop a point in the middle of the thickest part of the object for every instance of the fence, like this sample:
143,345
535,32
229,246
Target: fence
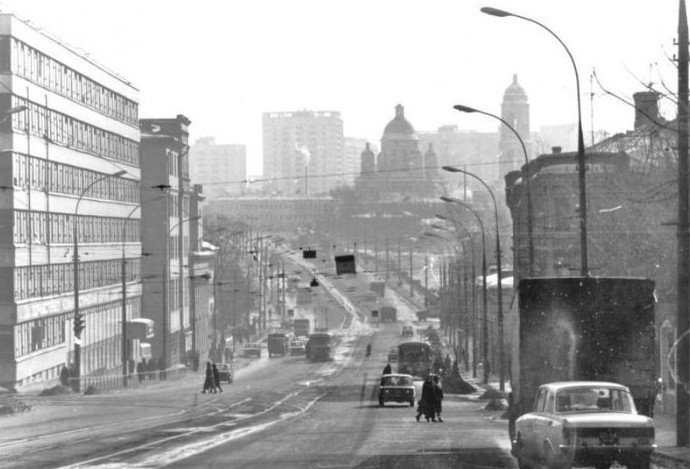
134,380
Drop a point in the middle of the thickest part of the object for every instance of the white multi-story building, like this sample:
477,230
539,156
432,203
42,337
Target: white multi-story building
220,168
304,151
69,139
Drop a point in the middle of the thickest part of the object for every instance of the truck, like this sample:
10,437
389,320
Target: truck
582,329
388,314
278,344
320,347
301,327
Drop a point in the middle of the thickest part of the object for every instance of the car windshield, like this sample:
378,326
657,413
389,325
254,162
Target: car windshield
594,399
396,381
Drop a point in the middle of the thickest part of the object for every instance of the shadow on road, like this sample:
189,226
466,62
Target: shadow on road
456,458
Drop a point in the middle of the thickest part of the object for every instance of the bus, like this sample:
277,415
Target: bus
414,358
320,347
278,344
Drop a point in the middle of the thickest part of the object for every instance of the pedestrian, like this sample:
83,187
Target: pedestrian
438,398
216,378
387,369
426,405
140,372
209,383
447,363
64,376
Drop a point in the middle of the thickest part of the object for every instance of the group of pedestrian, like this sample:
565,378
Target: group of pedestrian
212,379
430,402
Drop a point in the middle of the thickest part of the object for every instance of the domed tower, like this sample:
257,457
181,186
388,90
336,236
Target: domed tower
399,144
515,111
367,166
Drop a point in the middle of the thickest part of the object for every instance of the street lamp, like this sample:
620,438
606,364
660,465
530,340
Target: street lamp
78,318
525,177
181,276
499,274
457,224
584,268
485,317
123,274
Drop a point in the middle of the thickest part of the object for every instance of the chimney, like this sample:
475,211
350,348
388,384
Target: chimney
646,108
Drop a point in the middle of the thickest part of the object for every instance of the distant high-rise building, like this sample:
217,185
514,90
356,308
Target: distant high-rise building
220,168
69,174
304,151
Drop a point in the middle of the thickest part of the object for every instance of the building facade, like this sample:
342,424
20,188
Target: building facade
70,179
304,152
165,195
220,168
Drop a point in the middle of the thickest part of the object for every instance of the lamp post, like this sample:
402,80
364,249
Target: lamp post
584,267
182,278
456,224
485,316
499,275
78,318
525,177
484,340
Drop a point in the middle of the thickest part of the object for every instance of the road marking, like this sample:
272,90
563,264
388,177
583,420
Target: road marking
186,451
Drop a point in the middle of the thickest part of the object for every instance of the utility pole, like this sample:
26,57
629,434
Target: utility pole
411,276
683,365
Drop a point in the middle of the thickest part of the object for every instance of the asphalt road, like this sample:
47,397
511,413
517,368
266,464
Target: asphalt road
279,413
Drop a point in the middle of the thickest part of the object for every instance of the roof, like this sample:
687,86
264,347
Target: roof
399,125
557,386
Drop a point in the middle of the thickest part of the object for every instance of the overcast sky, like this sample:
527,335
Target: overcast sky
223,63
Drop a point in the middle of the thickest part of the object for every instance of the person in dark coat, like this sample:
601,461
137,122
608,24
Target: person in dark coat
140,372
437,391
216,378
64,376
209,381
387,369
427,404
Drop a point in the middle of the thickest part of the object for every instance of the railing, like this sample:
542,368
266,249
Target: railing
134,380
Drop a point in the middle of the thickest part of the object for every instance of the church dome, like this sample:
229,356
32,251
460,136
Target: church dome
515,92
399,125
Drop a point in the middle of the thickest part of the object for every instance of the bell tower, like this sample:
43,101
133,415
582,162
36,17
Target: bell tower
515,111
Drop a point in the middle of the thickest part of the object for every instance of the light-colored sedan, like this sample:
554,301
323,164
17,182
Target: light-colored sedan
297,347
583,423
252,350
396,388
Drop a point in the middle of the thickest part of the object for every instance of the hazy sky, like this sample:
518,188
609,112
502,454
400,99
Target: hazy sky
223,63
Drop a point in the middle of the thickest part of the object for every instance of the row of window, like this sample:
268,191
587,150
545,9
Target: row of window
102,323
65,130
49,73
52,228
38,173
51,279
174,163
39,334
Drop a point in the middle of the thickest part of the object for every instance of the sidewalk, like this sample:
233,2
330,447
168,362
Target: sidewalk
667,454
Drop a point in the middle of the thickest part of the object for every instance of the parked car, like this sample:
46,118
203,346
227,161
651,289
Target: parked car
584,423
252,350
393,354
297,347
226,372
396,388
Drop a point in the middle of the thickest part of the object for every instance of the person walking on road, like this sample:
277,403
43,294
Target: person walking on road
216,378
427,404
209,381
438,398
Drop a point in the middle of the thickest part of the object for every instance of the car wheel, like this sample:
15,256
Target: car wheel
380,403
412,403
